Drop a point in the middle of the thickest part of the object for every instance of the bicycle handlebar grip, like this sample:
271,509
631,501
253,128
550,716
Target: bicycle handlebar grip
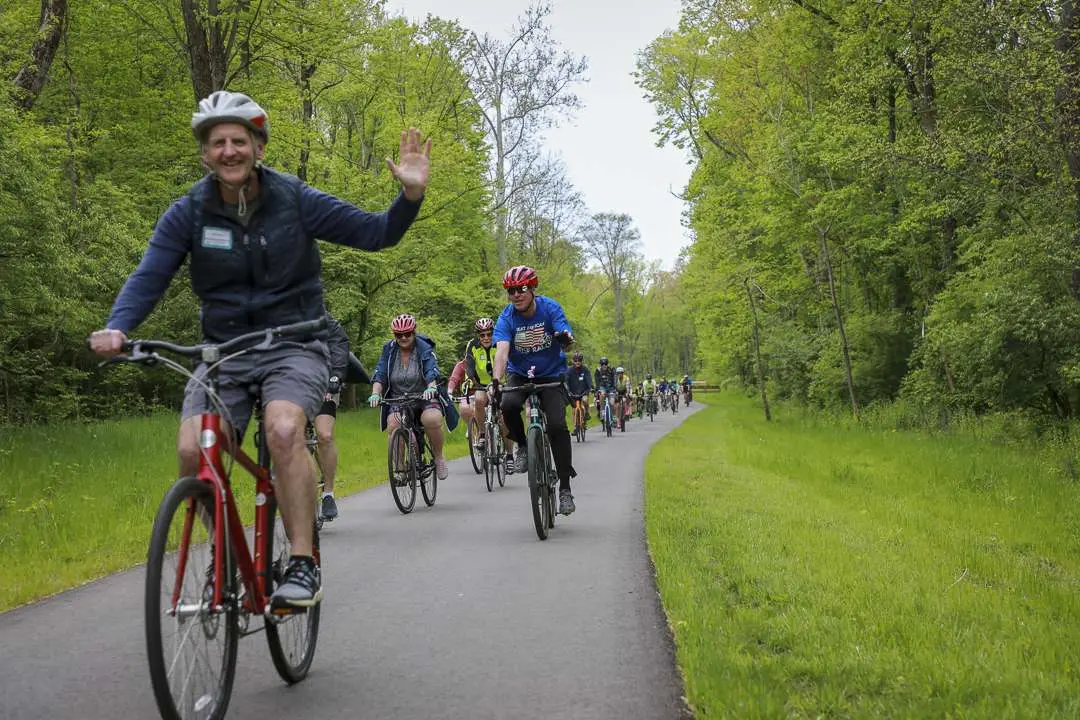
302,328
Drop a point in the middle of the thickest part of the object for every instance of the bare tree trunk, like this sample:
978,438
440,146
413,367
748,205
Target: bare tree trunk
32,75
761,372
839,321
500,193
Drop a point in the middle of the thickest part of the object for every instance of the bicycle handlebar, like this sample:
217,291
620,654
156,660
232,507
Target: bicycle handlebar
530,387
144,350
402,399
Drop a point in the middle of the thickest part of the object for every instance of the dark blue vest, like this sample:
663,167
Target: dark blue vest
259,277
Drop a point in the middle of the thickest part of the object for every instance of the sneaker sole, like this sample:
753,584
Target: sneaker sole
277,604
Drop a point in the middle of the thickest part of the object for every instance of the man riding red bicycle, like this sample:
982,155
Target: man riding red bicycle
249,234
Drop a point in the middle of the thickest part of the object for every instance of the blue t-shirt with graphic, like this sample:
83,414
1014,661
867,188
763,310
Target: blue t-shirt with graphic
532,345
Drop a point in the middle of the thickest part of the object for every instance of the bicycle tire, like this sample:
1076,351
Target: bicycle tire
429,478
291,639
471,432
490,466
534,444
401,464
500,452
189,496
552,483
608,421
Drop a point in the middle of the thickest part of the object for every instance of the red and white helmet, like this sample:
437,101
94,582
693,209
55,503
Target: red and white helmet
484,323
229,107
403,323
520,276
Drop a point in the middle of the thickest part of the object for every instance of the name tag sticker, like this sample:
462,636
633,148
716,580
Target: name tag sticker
217,238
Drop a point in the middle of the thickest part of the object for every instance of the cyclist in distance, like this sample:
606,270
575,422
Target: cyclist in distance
460,385
623,393
649,388
479,361
579,381
249,235
326,417
527,350
407,366
605,384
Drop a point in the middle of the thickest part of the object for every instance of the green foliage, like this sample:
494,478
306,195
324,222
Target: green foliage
909,155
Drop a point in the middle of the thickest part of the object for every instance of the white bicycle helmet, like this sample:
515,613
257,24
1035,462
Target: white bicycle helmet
619,370
224,106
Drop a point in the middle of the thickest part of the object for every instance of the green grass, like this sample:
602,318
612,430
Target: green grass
810,570
77,501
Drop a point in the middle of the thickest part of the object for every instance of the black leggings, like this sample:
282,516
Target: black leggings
553,401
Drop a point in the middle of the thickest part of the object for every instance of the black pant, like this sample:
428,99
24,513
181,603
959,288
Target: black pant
554,401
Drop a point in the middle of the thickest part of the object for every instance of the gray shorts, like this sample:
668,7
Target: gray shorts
296,372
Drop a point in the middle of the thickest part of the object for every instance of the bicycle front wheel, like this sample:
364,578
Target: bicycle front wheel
538,482
490,466
401,461
191,645
475,454
500,451
292,637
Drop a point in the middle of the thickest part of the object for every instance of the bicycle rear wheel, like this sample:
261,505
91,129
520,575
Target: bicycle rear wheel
429,476
401,462
471,435
538,491
292,637
191,646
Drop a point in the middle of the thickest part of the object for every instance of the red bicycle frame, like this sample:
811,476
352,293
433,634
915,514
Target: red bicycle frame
252,567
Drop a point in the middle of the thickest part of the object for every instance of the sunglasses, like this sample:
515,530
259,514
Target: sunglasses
512,291
402,336
485,333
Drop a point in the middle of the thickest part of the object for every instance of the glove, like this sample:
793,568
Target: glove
430,393
374,399
335,385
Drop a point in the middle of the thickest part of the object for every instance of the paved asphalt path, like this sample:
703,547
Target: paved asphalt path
456,612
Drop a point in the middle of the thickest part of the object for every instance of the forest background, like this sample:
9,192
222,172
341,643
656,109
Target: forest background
885,203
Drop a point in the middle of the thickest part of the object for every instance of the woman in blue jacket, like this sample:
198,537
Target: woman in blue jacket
407,366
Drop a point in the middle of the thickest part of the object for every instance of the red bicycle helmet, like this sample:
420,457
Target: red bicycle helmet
520,276
403,323
484,323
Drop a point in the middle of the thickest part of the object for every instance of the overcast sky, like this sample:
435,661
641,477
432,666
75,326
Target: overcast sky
608,147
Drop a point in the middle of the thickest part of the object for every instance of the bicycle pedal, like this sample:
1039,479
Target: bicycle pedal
281,613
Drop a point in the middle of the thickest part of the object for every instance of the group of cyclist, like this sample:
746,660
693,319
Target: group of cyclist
612,386
249,233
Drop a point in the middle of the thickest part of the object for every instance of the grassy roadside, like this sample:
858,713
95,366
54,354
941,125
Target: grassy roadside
813,571
77,501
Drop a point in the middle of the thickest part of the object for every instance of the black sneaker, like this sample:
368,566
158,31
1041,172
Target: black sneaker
521,459
329,508
509,469
302,586
566,502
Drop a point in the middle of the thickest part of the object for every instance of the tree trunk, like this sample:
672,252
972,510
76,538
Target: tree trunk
500,192
307,114
210,33
1067,99
31,76
839,322
761,373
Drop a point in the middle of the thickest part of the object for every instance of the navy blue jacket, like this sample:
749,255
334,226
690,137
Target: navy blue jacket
256,277
425,348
